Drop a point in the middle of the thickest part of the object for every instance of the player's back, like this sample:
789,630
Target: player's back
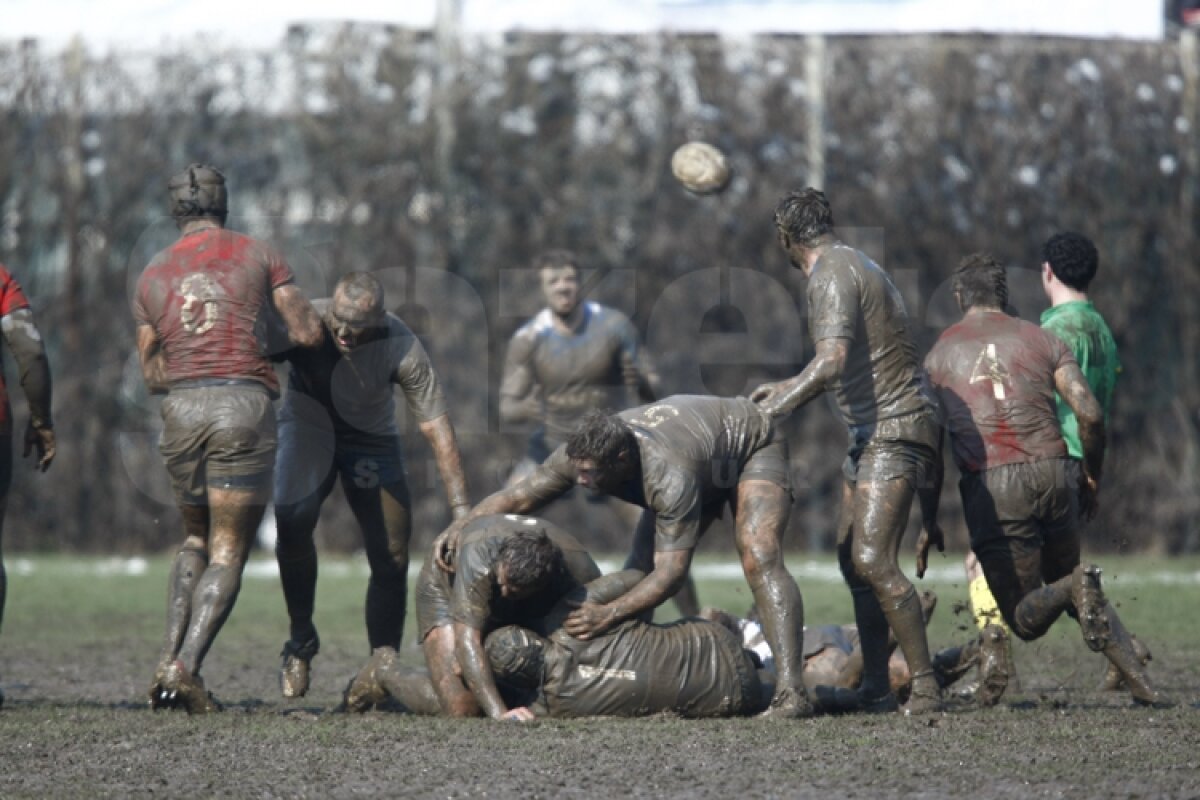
994,376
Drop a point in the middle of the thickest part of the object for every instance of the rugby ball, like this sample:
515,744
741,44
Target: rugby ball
700,167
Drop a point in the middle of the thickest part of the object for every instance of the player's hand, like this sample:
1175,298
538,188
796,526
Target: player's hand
42,440
1088,501
931,535
589,620
521,714
446,545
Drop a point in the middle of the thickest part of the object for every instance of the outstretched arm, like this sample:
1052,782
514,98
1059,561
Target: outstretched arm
477,672
439,433
781,398
27,348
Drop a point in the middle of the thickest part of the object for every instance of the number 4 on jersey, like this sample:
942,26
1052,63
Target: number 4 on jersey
989,368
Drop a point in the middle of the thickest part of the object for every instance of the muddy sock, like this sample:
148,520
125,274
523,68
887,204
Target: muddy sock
1123,654
298,575
387,595
215,594
873,639
687,600
186,570
782,616
908,623
1038,610
3,590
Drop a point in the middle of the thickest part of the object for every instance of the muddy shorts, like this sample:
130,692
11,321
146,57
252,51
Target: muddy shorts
900,447
1023,522
308,454
217,436
432,596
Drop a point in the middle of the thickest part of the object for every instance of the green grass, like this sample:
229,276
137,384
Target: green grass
59,599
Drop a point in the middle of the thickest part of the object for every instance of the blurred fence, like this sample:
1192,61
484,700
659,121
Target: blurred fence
446,165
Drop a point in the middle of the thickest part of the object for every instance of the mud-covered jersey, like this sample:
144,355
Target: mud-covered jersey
355,390
994,377
12,298
692,451
851,297
206,296
475,598
692,667
1085,332
595,366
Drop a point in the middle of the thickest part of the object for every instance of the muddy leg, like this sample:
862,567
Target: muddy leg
383,514
190,563
297,559
412,687
761,514
234,515
1123,654
454,697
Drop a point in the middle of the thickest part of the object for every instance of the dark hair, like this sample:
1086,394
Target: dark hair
516,656
357,286
804,216
198,193
602,437
531,559
556,259
1072,258
980,280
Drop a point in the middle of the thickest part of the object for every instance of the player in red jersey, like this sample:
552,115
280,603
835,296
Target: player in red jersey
25,343
201,308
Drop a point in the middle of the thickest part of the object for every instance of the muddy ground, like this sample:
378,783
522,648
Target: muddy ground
75,727
80,640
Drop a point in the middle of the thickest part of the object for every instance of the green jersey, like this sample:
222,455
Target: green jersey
1083,329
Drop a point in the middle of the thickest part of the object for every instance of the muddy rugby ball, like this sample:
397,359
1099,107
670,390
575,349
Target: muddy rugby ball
700,167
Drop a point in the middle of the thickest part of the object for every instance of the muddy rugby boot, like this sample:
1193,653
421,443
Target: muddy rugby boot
364,691
925,697
789,703
1090,604
160,695
180,689
993,665
1113,680
295,665
1122,654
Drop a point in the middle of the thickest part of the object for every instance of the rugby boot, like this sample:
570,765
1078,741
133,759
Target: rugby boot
1113,680
789,703
185,690
364,691
295,664
160,695
1123,655
840,700
993,665
925,697
1090,604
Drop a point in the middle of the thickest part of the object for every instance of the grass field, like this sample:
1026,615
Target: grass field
80,639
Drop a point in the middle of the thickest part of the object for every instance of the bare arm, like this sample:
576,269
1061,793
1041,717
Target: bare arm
477,671
520,395
303,323
670,569
930,498
27,348
150,354
523,497
1075,392
439,433
781,398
